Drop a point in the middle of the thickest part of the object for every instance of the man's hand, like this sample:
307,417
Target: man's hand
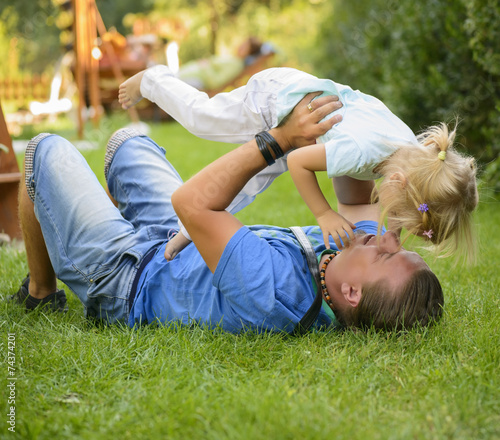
302,127
332,223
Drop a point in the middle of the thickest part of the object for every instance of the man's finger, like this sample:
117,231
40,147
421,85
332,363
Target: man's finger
323,100
325,125
309,97
326,109
313,104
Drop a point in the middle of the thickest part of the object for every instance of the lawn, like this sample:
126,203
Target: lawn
78,381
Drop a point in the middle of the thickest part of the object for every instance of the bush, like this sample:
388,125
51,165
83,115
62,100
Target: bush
429,61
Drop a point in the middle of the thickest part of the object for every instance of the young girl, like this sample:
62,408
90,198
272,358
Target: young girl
427,188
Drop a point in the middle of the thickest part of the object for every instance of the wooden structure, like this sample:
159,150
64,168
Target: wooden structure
88,24
86,68
9,183
21,91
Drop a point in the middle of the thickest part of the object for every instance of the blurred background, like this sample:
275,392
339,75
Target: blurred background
429,61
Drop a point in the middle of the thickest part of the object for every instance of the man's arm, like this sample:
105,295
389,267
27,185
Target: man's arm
354,199
201,202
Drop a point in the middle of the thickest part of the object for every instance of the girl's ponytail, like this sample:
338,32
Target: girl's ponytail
438,195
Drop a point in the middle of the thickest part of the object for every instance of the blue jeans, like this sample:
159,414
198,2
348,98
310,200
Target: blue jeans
96,248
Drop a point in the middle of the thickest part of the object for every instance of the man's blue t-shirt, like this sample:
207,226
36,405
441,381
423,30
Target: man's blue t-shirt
262,282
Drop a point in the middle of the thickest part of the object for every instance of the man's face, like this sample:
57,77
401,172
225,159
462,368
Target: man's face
371,259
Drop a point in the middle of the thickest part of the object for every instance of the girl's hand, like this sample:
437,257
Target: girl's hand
333,224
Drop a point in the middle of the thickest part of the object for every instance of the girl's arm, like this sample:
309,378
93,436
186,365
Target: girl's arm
303,164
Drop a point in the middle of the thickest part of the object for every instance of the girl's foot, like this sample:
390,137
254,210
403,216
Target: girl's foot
129,92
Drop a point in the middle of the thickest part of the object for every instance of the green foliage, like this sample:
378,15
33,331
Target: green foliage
290,26
32,34
113,11
5,43
30,27
483,27
428,61
491,177
226,23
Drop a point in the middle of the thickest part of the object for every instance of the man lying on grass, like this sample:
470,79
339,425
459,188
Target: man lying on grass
232,276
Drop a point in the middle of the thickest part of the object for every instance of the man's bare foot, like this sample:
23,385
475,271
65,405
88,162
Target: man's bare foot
129,93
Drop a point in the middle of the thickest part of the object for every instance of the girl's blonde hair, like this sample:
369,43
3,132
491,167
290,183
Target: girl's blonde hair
433,192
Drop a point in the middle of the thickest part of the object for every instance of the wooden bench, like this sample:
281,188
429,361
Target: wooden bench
9,183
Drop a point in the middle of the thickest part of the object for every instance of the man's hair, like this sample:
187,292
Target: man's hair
419,303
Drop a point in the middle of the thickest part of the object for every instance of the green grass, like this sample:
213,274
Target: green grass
77,381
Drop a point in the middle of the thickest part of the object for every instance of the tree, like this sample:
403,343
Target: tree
35,40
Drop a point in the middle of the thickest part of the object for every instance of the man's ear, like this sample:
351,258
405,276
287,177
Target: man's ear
398,177
352,294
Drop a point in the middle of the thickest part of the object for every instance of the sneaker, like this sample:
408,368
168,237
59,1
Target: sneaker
55,302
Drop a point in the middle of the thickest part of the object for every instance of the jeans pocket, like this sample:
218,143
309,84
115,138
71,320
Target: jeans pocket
114,279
